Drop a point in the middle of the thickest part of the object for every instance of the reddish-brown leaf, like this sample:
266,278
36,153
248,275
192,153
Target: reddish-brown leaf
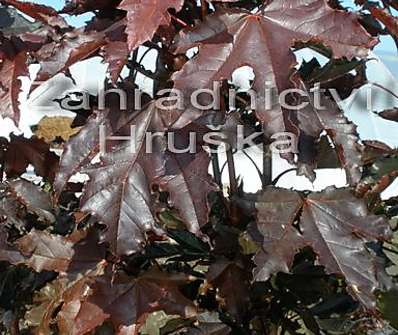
123,200
46,302
64,300
115,54
337,226
40,251
387,19
33,198
88,253
277,210
129,300
8,253
145,17
10,85
374,150
73,47
188,182
231,280
11,211
312,122
116,51
389,114
119,191
23,151
80,317
45,14
80,149
230,39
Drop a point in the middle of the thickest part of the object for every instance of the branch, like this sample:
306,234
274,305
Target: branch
141,69
276,180
255,165
232,173
383,88
216,169
267,166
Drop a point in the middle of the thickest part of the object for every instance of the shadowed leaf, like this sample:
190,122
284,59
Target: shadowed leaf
337,226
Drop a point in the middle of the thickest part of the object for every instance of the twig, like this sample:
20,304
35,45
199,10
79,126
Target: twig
383,88
260,174
275,181
267,166
232,173
138,67
216,168
139,62
223,167
133,72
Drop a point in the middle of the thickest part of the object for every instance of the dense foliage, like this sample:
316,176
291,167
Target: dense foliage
151,243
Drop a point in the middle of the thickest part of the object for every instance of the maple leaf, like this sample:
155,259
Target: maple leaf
145,17
230,39
13,23
46,302
130,177
77,317
45,14
39,250
80,149
387,19
230,278
33,198
75,46
67,294
188,182
116,51
119,191
102,37
335,224
10,85
22,151
85,145
88,255
116,55
11,210
312,122
277,211
129,300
